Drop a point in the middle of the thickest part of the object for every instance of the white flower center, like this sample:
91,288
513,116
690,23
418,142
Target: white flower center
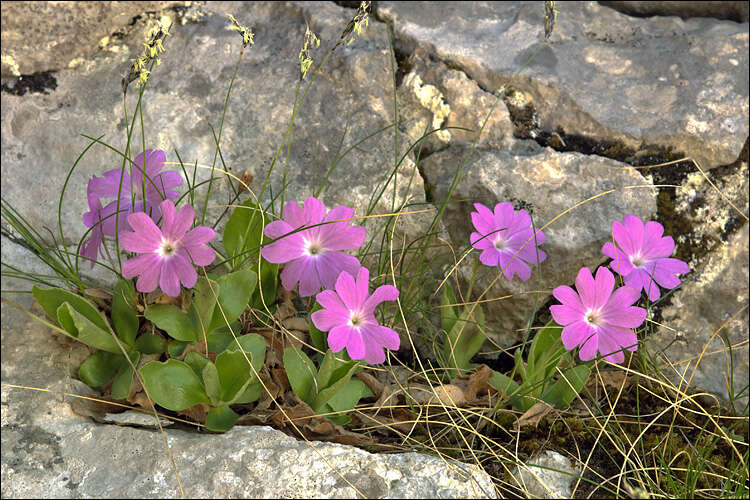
355,319
167,249
500,243
637,260
313,247
593,317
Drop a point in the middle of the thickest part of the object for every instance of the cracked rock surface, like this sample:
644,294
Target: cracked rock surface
658,88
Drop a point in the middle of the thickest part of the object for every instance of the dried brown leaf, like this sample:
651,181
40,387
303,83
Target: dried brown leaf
533,415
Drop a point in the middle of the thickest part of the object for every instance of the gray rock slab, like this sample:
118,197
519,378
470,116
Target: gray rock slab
708,316
547,475
664,81
49,451
548,183
734,11
352,99
42,36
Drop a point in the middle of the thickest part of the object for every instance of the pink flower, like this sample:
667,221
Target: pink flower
102,222
314,256
348,315
500,236
158,184
641,256
169,253
597,319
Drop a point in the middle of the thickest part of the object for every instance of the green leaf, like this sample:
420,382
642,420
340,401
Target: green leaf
332,368
301,373
83,330
543,347
173,321
207,372
251,394
464,339
251,343
235,374
175,348
220,419
347,398
205,293
99,368
506,386
124,316
336,383
196,361
173,384
52,298
150,343
124,378
235,290
219,339
268,284
244,233
561,394
448,314
210,376
319,339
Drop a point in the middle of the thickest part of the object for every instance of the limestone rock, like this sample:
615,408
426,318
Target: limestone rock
677,84
45,36
548,475
707,315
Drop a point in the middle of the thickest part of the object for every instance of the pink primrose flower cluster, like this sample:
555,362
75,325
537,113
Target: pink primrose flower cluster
596,317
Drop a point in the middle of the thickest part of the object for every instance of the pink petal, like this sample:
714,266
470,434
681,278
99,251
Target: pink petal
181,222
355,347
290,276
482,242
569,298
347,290
381,294
334,315
382,335
589,348
185,270
519,267
564,315
340,337
147,267
483,219
576,334
374,353
169,281
586,287
108,186
330,265
653,231
634,227
198,236
665,270
630,317
622,298
620,262
282,251
659,248
293,215
490,257
315,211
91,247
603,286
147,235
636,278
199,255
521,220
619,337
504,214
